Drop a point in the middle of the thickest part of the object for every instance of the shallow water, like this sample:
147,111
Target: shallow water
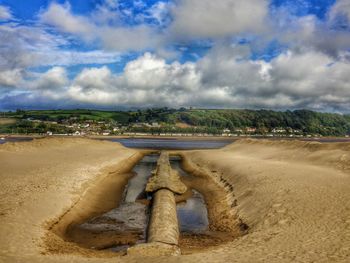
126,224
15,139
143,170
192,214
180,144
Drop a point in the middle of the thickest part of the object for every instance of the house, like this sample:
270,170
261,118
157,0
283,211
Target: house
278,130
249,129
86,125
155,124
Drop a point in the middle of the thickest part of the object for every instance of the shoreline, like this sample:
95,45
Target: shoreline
185,138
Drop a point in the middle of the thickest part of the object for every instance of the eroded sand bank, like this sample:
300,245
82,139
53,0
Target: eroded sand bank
43,180
293,196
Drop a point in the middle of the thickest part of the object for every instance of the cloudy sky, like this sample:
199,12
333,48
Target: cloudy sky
118,54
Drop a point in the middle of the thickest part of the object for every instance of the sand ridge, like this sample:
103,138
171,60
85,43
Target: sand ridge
294,196
40,181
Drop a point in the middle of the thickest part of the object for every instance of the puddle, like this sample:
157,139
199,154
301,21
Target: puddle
143,169
125,225
195,231
192,214
175,162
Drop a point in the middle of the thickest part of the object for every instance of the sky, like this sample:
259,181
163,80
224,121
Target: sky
118,54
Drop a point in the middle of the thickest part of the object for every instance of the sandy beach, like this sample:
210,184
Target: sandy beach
292,198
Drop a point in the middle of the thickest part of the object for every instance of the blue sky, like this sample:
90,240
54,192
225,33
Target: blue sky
273,54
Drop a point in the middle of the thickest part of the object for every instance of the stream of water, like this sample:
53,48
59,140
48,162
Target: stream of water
130,219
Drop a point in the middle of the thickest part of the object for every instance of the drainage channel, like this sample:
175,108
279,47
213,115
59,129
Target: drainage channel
126,225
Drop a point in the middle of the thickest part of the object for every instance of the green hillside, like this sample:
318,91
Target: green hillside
184,120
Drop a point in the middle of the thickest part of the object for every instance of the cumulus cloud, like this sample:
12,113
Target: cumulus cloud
94,28
11,78
340,9
210,19
151,72
148,80
226,78
55,78
60,16
309,32
69,58
5,13
160,12
292,80
196,20
312,72
23,47
305,79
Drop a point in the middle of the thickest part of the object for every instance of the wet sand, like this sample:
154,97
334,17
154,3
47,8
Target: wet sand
293,199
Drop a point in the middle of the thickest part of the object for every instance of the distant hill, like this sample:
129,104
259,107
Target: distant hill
188,120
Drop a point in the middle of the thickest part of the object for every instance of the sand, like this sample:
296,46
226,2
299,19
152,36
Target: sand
293,198
42,180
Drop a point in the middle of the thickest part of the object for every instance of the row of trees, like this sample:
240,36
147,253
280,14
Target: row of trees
304,120
28,127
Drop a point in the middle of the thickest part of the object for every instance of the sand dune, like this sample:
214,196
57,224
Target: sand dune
40,181
294,197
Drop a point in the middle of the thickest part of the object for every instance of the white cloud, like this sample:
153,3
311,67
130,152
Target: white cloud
211,19
159,12
147,80
151,72
225,77
68,57
23,47
55,78
309,32
313,73
11,78
94,78
97,27
60,16
311,76
5,13
340,8
292,80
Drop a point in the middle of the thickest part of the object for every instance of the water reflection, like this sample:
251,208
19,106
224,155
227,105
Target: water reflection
143,170
192,214
14,139
126,224
180,144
